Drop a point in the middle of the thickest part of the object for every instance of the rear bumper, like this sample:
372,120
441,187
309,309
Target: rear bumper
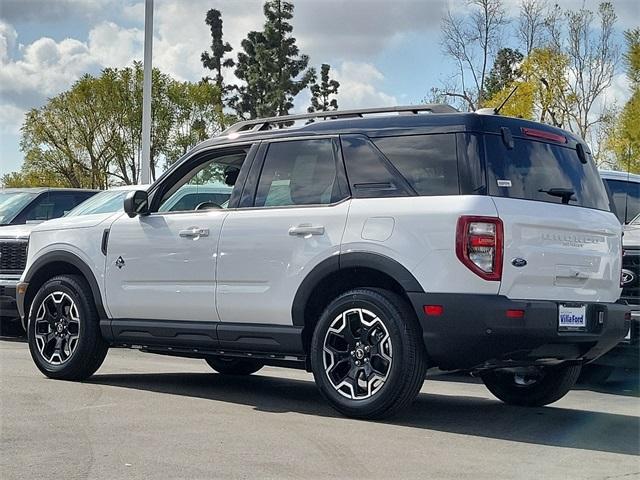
474,332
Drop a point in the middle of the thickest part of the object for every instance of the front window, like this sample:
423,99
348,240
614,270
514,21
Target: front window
208,185
12,203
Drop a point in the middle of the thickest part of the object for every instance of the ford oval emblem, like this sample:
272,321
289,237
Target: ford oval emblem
518,262
627,276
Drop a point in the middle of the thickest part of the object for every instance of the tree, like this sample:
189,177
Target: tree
624,139
471,41
91,135
271,66
532,24
592,58
216,61
506,69
542,91
323,94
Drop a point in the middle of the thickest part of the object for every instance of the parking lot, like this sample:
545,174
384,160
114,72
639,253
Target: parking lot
146,416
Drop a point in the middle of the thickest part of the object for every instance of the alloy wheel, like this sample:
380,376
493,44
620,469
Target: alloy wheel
57,328
357,353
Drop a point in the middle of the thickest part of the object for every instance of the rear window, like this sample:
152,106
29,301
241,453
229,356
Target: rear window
428,162
544,172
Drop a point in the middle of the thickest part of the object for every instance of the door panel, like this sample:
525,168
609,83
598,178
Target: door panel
168,265
265,254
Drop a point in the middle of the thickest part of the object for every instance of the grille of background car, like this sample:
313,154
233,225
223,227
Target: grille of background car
13,256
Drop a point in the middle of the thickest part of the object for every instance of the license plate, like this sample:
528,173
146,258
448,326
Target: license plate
572,317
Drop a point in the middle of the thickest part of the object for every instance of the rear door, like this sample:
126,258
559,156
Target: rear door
561,242
293,220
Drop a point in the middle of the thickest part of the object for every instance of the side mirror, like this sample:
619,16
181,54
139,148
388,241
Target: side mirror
136,203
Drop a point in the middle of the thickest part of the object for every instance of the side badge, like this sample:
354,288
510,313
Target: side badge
518,262
120,262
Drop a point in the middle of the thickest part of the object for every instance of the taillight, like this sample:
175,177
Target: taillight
479,245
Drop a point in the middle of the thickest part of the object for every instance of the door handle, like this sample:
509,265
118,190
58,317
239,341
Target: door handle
194,232
304,230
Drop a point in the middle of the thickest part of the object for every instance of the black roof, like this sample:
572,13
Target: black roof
385,124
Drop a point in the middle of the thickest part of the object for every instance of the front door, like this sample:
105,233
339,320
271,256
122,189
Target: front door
296,220
162,266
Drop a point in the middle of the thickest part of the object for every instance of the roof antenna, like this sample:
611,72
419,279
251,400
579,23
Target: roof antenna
497,110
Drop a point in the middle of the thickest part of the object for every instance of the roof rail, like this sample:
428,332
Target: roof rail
266,123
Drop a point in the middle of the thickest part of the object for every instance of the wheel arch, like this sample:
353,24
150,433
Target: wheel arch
343,272
58,263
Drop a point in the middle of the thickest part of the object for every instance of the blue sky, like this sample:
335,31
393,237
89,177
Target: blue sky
384,52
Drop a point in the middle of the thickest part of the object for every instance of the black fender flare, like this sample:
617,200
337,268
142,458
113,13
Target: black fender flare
375,261
61,256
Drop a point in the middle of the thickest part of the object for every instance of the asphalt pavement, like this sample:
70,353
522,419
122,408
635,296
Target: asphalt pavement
148,416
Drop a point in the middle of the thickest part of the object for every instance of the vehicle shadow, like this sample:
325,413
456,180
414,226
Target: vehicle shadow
466,415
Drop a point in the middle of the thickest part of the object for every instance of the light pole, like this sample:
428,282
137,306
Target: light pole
145,166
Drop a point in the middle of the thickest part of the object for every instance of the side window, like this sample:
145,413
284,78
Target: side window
428,162
626,196
299,172
206,185
370,174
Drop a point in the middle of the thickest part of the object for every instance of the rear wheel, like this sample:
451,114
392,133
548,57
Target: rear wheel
367,355
64,331
532,387
233,366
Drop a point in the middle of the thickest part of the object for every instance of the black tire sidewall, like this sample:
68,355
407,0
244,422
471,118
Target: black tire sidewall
89,334
392,319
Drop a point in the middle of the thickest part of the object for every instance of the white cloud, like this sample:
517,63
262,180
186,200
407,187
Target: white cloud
359,86
114,46
11,119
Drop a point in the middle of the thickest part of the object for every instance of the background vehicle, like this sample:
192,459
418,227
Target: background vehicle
363,248
21,209
624,190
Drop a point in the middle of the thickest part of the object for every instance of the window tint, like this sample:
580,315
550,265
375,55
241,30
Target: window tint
54,205
370,174
428,162
300,172
626,196
542,171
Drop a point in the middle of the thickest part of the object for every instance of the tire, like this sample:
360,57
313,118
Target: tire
233,366
367,355
64,332
546,386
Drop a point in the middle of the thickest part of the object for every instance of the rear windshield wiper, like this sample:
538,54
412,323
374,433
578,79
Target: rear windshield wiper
566,194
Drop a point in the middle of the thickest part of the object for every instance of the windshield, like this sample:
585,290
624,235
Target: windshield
108,201
12,203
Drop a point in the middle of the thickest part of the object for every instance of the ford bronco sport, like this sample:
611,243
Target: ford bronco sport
364,246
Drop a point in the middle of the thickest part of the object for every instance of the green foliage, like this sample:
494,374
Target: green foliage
91,135
624,137
505,70
271,66
323,94
216,60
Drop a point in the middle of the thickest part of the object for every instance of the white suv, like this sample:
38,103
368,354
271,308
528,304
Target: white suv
364,248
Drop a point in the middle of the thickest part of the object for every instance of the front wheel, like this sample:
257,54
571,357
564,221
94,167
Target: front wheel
367,355
64,331
532,387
